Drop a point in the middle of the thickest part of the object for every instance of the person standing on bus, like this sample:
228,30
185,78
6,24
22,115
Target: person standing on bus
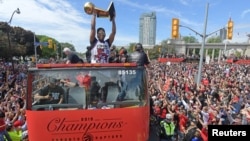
72,58
51,94
100,47
139,56
167,129
88,54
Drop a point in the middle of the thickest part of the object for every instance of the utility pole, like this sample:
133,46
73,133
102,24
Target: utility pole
35,46
204,36
202,47
8,36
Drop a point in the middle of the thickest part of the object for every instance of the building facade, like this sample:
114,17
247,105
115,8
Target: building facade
147,29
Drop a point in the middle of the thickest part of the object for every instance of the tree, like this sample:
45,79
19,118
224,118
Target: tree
214,39
190,39
21,41
131,47
166,48
47,52
68,45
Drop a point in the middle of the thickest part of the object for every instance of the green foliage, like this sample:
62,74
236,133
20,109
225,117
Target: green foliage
154,52
190,39
22,43
51,52
46,52
237,53
214,39
131,47
68,45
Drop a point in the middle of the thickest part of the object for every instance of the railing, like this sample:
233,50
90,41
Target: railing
172,60
240,61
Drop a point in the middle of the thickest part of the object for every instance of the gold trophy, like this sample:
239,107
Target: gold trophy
89,8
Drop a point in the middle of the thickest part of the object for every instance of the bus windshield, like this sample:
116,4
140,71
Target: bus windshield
86,88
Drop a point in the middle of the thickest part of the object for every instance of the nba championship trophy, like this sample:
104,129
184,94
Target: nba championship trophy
89,8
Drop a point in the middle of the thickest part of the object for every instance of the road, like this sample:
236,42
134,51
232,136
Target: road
152,135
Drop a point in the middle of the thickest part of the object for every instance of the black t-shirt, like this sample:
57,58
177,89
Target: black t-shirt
140,58
88,56
56,93
73,58
2,114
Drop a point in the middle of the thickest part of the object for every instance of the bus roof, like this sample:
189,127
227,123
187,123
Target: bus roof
86,65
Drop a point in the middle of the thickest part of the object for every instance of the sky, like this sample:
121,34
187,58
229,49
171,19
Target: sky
66,21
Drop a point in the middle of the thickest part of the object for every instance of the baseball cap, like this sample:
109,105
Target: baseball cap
17,123
66,49
168,116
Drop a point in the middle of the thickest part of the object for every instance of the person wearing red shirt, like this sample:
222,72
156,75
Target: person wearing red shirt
3,132
157,108
84,80
182,124
204,131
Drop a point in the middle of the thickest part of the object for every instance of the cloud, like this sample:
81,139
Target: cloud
184,2
57,19
149,7
243,14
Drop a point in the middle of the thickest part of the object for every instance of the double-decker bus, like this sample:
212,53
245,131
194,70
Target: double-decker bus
113,105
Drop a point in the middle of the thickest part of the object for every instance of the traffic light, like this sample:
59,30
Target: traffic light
50,43
41,47
159,49
175,28
230,25
55,48
33,59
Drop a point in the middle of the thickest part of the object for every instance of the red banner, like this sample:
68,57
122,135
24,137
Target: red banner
173,60
119,124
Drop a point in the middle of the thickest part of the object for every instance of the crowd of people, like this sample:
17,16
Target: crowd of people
221,98
181,108
13,82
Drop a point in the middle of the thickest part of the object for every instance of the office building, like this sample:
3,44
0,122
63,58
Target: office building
147,29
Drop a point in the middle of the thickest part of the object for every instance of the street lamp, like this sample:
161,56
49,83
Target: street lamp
202,47
204,36
16,11
8,35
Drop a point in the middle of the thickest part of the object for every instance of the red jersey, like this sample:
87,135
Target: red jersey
2,124
84,80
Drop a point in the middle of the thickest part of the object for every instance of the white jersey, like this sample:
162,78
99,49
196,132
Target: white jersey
100,52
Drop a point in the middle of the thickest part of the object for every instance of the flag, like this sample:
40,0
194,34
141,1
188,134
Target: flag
41,43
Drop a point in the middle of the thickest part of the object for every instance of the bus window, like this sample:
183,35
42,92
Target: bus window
88,103
87,89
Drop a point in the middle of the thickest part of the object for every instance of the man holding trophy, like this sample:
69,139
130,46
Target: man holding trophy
100,47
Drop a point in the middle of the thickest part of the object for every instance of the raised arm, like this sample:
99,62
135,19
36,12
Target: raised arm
112,34
92,31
